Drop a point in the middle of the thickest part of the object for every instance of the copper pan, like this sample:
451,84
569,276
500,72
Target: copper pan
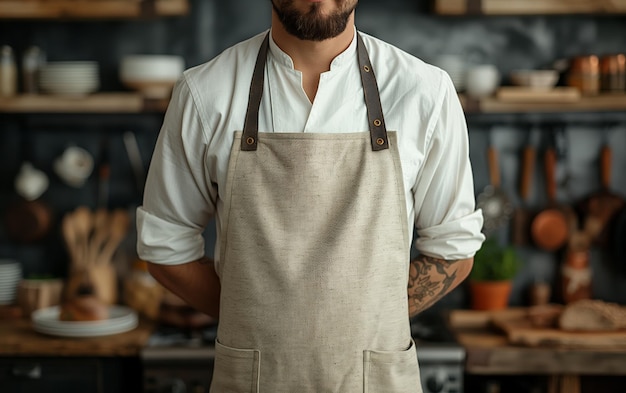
550,227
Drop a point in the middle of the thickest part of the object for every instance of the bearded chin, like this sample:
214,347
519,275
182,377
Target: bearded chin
313,26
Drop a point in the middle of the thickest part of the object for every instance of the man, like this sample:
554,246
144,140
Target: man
317,149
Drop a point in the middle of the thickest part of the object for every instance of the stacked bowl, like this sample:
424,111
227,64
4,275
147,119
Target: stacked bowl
70,77
153,76
10,277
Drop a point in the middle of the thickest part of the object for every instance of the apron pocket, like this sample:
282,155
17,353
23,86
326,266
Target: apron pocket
235,370
391,371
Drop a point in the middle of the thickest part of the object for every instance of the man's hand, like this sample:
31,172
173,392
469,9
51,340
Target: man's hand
430,279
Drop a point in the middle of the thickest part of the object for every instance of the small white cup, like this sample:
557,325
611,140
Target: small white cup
74,166
482,80
30,182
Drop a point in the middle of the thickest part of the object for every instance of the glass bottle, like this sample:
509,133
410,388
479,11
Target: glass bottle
32,61
8,72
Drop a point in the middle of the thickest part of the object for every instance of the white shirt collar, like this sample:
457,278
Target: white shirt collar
345,57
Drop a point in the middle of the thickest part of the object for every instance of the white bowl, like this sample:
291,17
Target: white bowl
482,80
152,75
537,79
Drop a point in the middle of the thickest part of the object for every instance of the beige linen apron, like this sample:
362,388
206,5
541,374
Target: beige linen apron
314,260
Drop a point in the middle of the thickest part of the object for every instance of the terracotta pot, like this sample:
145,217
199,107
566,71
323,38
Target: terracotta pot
490,295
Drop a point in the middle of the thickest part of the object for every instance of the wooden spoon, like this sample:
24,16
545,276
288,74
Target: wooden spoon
71,238
100,233
118,228
521,217
83,224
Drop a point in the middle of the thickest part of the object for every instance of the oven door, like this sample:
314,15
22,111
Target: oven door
441,367
177,369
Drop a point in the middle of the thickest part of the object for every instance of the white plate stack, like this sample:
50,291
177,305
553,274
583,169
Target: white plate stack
70,77
121,319
10,277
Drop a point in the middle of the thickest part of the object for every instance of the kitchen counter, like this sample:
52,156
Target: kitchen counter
17,338
488,351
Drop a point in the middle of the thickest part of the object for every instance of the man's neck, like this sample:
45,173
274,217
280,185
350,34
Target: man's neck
312,58
311,55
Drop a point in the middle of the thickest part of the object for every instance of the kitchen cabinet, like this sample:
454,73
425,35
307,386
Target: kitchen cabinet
33,362
528,7
88,9
70,375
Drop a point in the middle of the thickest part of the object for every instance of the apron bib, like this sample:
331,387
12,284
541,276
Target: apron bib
314,259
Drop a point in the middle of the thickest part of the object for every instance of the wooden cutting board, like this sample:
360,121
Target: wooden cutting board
527,7
521,331
528,94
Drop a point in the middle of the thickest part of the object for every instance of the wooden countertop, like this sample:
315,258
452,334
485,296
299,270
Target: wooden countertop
17,338
488,351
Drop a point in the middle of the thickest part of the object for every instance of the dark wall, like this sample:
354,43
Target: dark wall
508,42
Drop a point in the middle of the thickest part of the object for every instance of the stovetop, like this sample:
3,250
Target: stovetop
423,330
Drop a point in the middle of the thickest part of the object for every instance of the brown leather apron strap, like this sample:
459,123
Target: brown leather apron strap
251,126
376,120
378,130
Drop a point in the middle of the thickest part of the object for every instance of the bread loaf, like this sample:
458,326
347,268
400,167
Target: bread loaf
593,315
80,301
83,308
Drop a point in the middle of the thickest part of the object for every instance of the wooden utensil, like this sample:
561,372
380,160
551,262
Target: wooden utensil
100,233
521,217
549,228
495,204
619,242
82,219
602,206
118,228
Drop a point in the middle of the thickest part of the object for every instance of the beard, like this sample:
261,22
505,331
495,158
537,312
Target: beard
313,25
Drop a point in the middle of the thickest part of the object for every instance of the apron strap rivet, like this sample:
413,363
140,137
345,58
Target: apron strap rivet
366,68
250,140
377,122
380,141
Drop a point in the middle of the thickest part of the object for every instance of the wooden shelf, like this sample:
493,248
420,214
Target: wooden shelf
130,102
528,7
91,9
491,105
115,102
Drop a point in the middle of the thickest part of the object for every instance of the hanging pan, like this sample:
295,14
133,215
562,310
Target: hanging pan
29,218
550,227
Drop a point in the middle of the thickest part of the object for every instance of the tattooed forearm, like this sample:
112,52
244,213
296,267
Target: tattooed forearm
430,279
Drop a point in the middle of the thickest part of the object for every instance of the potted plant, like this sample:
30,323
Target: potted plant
491,278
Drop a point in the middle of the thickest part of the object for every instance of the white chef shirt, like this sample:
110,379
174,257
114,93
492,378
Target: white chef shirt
188,169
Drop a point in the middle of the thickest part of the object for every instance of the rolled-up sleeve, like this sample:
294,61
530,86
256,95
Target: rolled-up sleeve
447,222
179,197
